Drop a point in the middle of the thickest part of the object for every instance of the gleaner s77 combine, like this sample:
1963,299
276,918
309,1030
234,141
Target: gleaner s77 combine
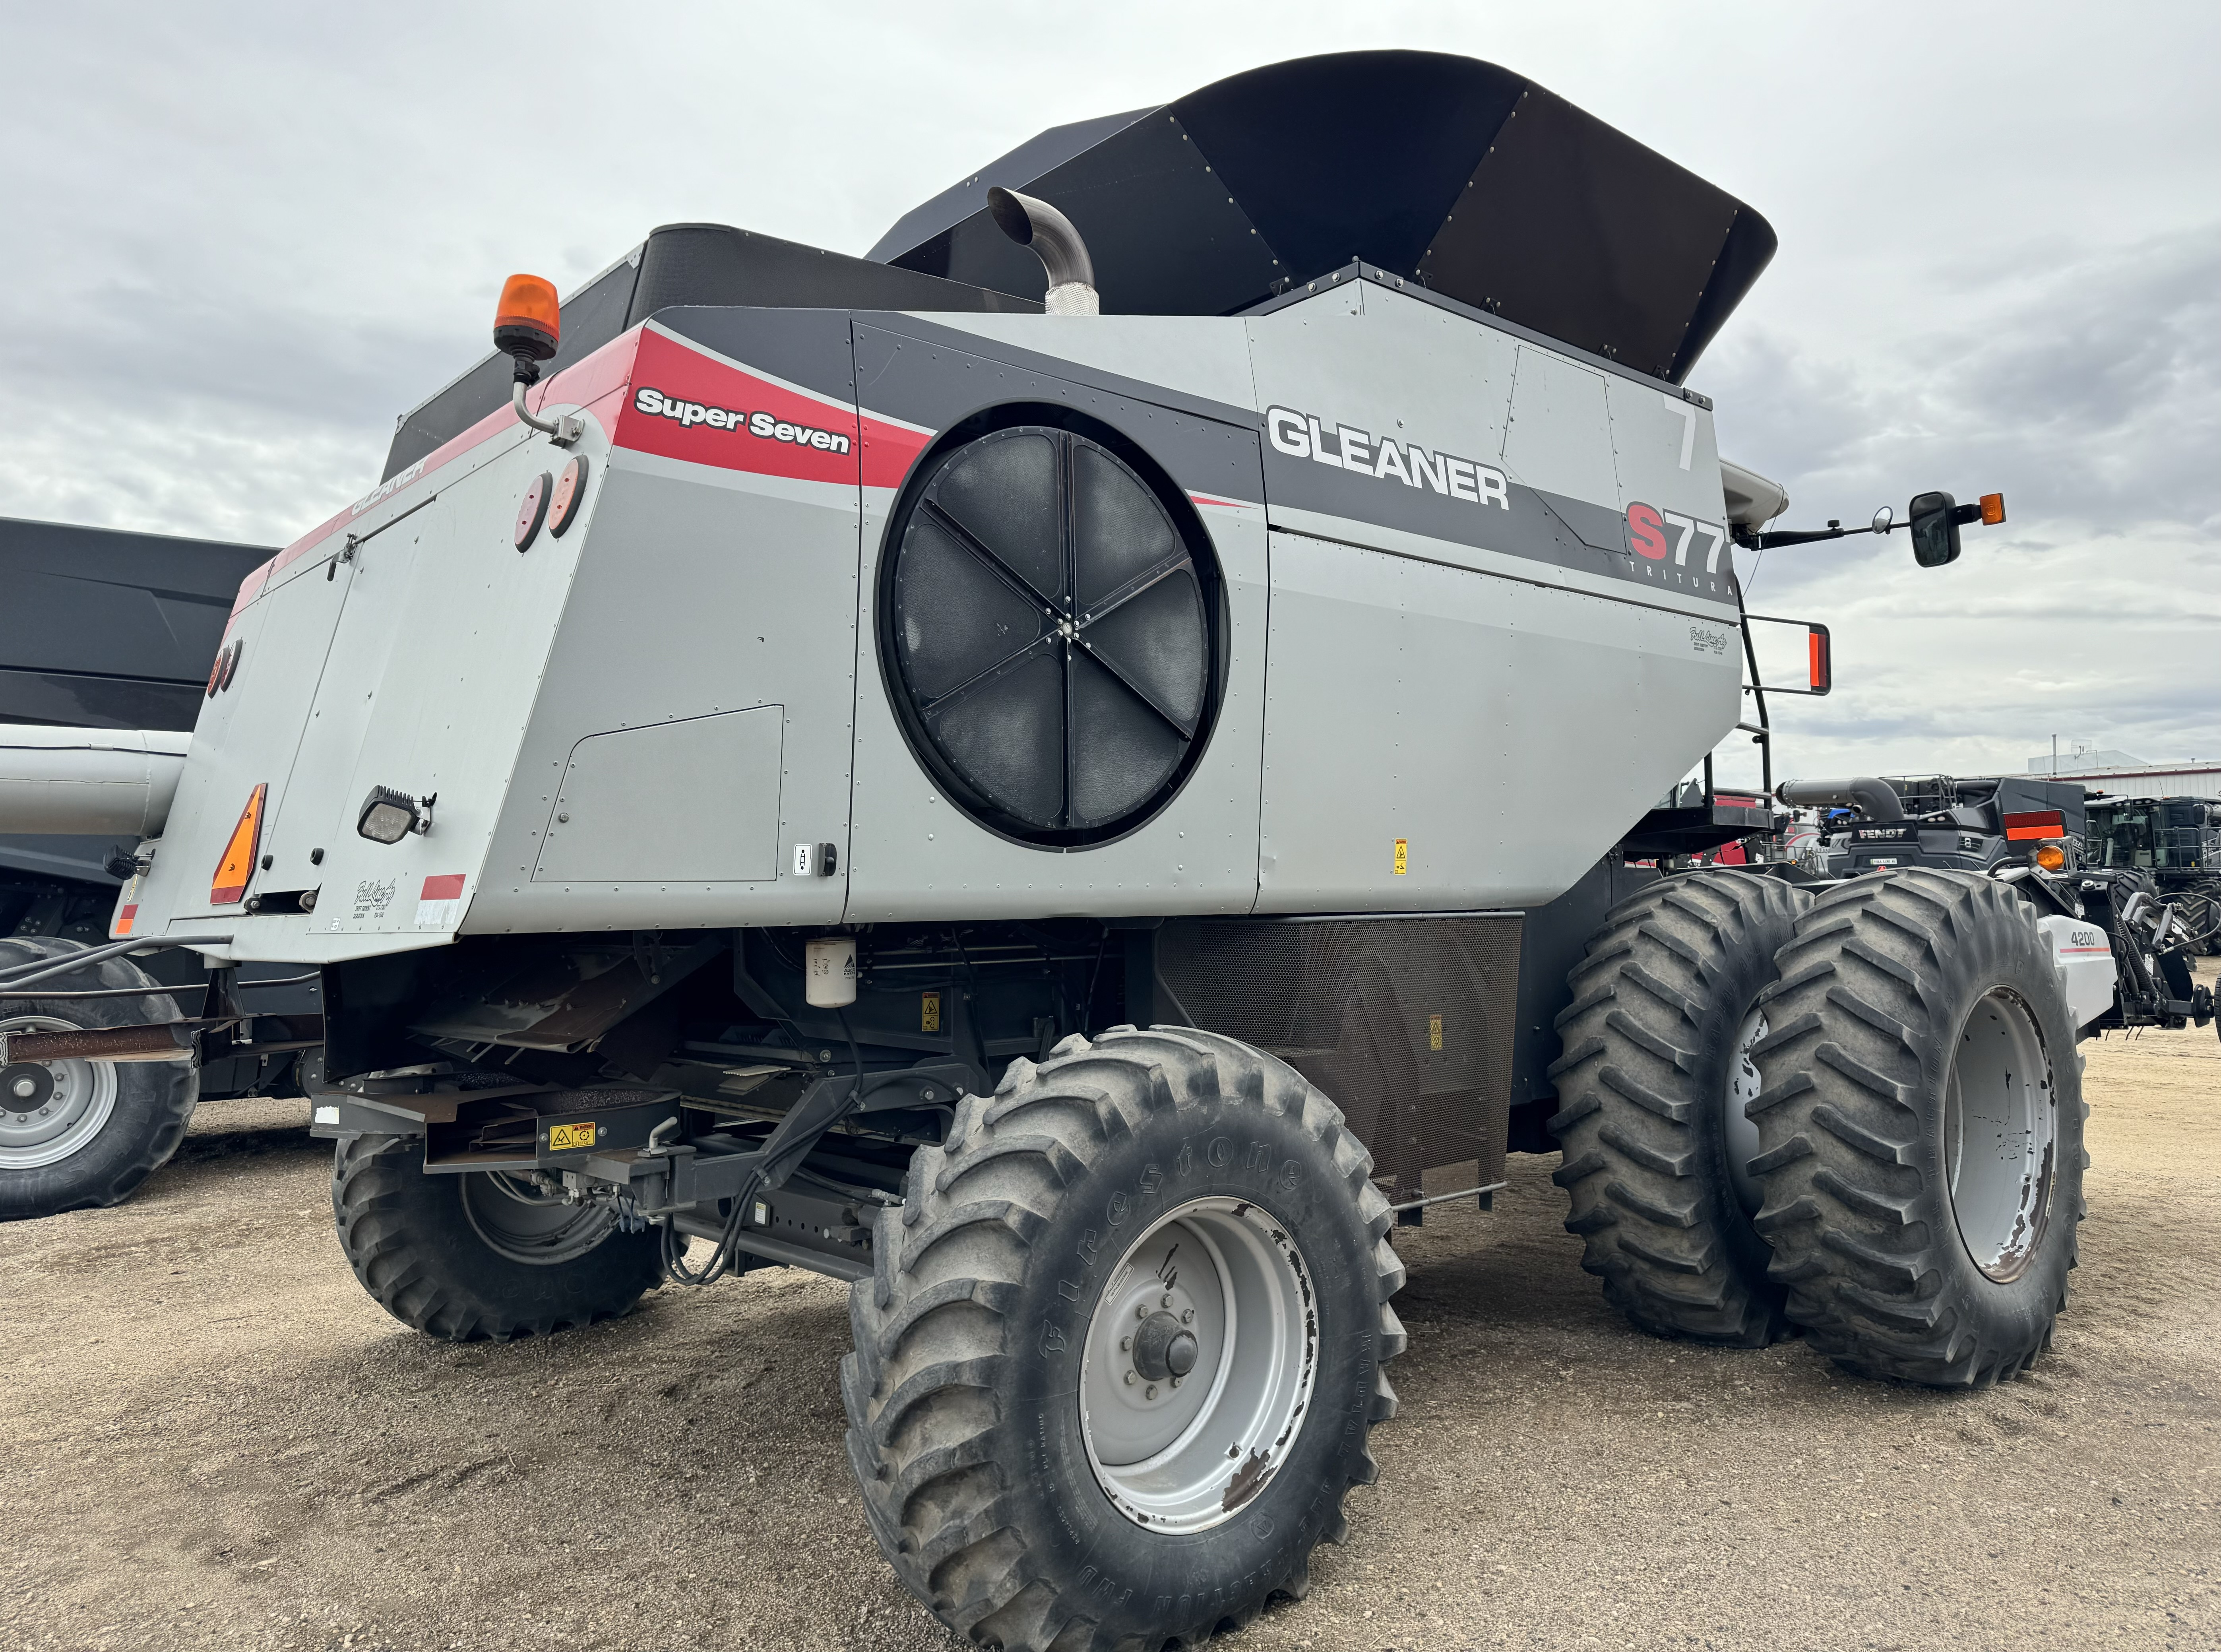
1005,771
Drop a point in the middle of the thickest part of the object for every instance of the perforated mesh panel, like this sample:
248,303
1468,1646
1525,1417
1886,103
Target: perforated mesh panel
1357,1006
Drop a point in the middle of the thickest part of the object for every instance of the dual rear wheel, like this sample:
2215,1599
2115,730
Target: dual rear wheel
1858,1116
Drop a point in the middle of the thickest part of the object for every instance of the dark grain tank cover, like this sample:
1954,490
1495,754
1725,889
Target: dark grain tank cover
1459,175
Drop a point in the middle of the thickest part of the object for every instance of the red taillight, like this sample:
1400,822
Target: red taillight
2034,825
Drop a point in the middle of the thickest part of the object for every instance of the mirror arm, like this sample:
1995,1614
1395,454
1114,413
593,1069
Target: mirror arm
1752,542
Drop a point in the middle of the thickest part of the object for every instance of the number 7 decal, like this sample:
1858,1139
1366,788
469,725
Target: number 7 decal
1687,525
1688,415
1719,538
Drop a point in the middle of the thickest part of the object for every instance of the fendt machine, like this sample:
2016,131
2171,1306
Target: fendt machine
1006,772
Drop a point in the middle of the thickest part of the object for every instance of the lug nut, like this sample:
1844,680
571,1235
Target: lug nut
1178,1380
1141,1311
1188,1316
1125,1342
1168,1301
1131,1378
1153,1391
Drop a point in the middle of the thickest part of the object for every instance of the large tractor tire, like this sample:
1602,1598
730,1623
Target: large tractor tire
78,1134
1921,1128
1655,1077
480,1256
1117,1364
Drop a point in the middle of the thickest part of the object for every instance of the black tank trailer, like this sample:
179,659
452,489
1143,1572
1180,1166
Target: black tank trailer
879,844
103,629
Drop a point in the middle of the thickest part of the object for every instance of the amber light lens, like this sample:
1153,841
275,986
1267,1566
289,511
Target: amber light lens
1993,509
2051,857
529,301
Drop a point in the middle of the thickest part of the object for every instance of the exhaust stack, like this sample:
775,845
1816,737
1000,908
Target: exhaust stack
1037,224
88,782
1876,799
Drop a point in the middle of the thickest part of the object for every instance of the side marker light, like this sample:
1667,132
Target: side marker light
228,886
533,512
1993,509
570,494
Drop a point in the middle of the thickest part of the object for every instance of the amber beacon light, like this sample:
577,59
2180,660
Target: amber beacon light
527,327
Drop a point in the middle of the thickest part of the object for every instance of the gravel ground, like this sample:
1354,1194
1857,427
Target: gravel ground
215,1439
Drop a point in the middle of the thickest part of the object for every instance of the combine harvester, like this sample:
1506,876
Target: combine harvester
1005,771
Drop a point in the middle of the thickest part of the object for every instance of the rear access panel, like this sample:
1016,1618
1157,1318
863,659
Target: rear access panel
618,819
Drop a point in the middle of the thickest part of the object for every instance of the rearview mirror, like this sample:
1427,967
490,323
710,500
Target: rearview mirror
1934,519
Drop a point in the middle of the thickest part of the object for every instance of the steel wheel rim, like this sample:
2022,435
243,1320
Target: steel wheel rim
69,1104
529,1224
1194,1453
2000,1133
1739,1137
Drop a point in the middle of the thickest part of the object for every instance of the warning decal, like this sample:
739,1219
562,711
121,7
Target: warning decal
565,1138
439,903
1403,856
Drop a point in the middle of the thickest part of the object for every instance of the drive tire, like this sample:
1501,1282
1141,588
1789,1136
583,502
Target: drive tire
1922,1123
1664,1002
417,1245
1004,1270
132,1114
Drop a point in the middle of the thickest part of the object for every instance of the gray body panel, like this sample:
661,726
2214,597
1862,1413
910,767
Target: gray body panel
693,674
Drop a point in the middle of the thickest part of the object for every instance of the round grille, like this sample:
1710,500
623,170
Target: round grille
1050,636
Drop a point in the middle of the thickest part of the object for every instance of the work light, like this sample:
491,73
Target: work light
388,816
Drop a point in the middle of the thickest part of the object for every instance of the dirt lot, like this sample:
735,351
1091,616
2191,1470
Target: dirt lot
215,1439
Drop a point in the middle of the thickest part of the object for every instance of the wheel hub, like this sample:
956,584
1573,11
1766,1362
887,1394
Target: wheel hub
528,1223
1999,1130
1199,1365
1164,1350
50,1110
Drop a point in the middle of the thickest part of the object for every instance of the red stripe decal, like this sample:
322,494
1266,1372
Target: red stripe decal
448,887
686,406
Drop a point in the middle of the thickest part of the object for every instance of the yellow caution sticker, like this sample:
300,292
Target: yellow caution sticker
928,1012
1403,856
1434,1032
564,1138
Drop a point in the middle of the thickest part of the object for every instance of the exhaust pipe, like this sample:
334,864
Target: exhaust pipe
1876,799
1056,243
88,782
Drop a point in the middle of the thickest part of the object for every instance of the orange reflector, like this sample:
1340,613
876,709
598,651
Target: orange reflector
2050,857
2034,826
529,301
229,885
1820,656
1993,509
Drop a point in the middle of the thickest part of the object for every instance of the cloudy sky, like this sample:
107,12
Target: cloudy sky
241,239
